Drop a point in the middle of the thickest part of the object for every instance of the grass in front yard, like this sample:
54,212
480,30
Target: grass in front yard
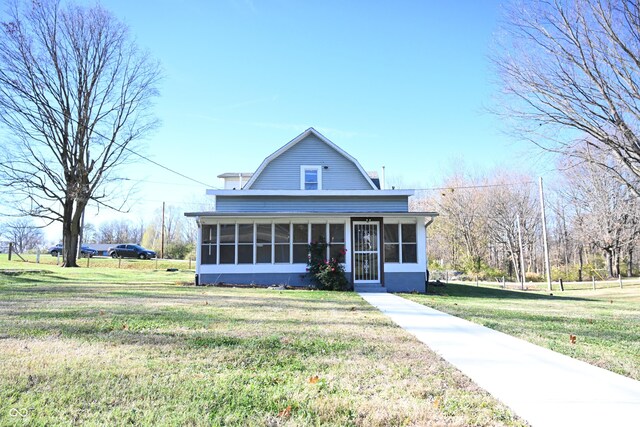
47,261
139,271
163,354
605,322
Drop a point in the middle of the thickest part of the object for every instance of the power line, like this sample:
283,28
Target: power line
98,133
465,187
155,182
159,165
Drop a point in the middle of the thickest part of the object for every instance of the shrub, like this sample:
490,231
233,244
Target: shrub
178,250
327,274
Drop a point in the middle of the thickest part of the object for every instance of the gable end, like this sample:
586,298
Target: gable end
346,172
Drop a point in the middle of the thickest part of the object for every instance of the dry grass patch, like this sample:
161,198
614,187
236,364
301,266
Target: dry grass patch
174,355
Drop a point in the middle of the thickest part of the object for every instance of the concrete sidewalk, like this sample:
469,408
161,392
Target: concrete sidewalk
543,387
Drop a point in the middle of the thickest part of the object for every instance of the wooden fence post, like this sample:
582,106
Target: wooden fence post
10,250
561,285
620,280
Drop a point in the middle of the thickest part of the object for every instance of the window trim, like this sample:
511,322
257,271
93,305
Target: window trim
303,169
401,242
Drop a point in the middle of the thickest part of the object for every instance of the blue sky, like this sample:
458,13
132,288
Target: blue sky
403,84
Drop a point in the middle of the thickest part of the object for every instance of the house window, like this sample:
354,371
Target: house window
281,241
319,233
227,243
269,243
310,177
208,250
400,243
336,242
300,243
263,243
391,243
245,243
409,245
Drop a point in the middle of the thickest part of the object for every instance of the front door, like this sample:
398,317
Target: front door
366,251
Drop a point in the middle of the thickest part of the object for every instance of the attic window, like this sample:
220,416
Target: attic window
310,177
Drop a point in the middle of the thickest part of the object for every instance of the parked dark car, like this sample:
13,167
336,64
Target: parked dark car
84,250
131,251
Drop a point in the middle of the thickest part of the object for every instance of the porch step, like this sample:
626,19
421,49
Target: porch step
369,287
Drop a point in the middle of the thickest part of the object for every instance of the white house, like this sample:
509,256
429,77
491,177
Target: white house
311,190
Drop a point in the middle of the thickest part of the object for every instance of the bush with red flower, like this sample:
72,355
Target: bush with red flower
328,274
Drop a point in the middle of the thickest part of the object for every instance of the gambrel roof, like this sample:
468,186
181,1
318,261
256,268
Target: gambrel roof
296,140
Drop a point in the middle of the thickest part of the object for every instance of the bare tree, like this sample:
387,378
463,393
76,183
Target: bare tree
605,213
120,231
508,207
462,224
571,73
75,93
89,233
23,233
174,228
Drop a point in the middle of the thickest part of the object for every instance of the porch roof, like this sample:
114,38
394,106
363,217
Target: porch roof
309,214
311,193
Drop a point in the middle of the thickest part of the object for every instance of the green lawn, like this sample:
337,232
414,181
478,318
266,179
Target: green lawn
99,347
48,261
605,322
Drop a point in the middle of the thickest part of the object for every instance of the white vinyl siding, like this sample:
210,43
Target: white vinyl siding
311,204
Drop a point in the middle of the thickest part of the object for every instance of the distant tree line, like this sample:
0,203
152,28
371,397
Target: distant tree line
180,233
593,224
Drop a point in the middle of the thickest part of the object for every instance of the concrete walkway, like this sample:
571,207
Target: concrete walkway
543,387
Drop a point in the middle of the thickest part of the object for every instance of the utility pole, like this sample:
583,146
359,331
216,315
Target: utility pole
522,273
544,237
162,234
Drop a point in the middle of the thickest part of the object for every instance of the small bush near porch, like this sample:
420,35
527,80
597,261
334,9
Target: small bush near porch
326,274
112,353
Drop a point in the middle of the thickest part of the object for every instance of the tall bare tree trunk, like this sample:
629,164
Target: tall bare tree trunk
580,265
609,258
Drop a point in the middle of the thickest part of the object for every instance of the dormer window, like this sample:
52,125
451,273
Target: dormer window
310,177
